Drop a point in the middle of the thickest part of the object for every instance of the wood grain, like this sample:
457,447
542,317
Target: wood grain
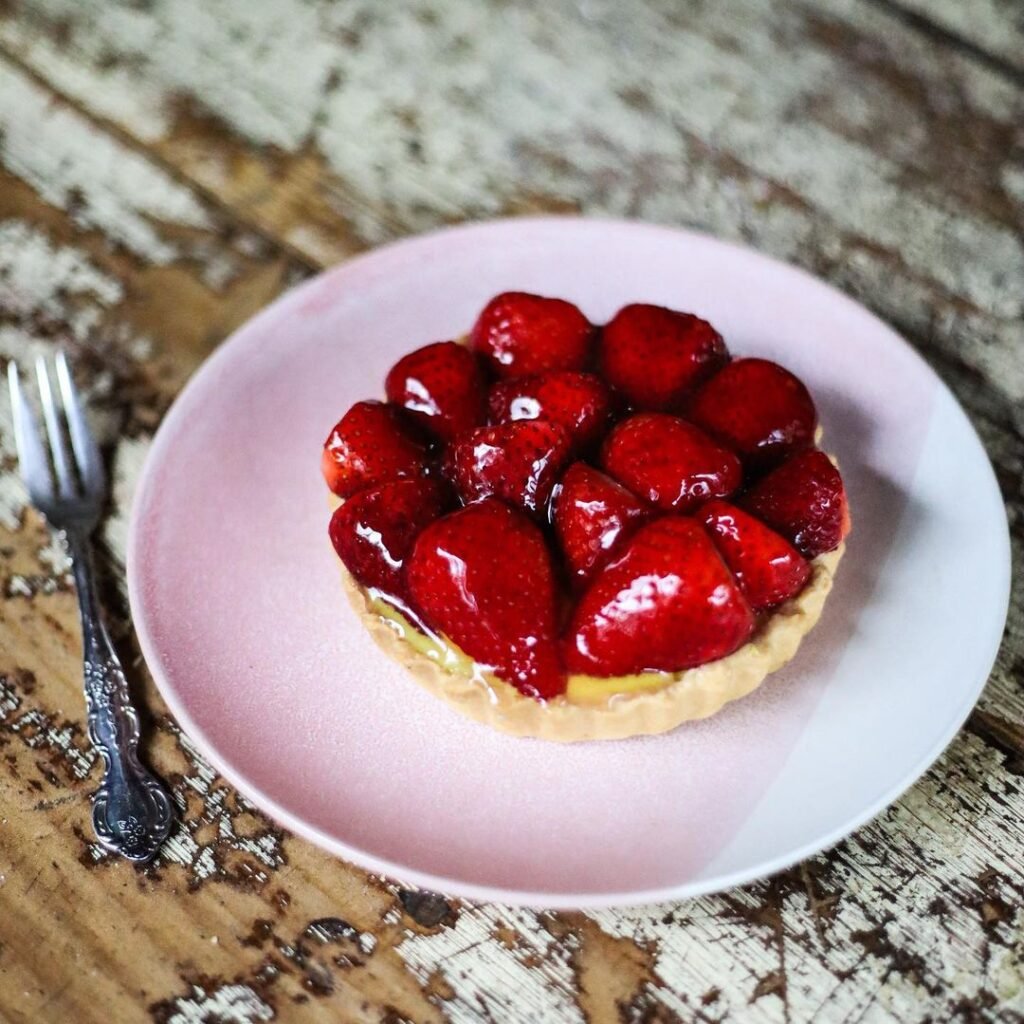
167,168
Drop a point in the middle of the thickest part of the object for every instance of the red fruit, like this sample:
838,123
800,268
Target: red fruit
768,569
442,385
592,514
669,462
482,576
374,531
517,462
580,403
667,603
518,333
757,408
804,500
371,444
654,356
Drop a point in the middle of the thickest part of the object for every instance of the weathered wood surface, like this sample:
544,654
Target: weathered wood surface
168,167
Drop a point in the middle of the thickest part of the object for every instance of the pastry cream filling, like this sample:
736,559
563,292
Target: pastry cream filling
596,708
580,689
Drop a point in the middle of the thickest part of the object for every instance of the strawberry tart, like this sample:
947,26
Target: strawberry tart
578,532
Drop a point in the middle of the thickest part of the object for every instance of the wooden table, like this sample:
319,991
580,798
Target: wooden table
167,168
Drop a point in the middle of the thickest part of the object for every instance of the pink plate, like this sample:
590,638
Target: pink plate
242,620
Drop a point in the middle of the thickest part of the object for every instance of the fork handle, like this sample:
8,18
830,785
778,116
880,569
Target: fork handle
131,811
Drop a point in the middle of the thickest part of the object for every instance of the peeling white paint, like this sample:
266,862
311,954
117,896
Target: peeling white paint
129,456
37,276
200,859
9,702
54,556
41,731
229,1004
73,165
533,981
1013,182
115,91
19,585
194,47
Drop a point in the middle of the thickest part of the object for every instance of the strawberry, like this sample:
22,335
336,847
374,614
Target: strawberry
767,568
804,500
374,531
520,334
580,403
654,356
371,444
517,462
482,576
758,409
669,461
592,514
442,386
667,603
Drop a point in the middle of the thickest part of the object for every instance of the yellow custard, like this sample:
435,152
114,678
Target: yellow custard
580,689
592,708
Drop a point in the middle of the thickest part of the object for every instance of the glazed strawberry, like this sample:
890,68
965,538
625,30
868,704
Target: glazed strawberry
667,603
804,500
655,356
517,462
519,334
482,576
371,444
442,385
669,462
374,531
592,514
580,403
758,409
767,567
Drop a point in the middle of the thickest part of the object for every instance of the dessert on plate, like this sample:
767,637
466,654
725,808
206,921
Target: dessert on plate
578,532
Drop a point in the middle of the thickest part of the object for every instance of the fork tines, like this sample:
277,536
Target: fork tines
75,468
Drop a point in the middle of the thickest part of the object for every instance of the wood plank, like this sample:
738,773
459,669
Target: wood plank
165,204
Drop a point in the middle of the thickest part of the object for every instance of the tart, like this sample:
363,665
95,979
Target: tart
576,532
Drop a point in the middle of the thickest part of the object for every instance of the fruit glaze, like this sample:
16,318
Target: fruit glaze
580,532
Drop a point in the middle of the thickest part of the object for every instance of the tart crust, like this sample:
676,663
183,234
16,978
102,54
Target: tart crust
684,696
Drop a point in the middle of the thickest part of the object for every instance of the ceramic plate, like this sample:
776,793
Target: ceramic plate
243,622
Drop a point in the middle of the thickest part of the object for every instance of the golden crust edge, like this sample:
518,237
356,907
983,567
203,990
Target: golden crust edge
692,694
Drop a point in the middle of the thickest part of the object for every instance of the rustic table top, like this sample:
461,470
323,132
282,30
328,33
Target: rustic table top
167,168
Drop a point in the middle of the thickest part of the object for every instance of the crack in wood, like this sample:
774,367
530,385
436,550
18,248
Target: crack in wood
936,31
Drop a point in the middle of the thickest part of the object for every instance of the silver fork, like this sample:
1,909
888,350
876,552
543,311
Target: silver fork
131,811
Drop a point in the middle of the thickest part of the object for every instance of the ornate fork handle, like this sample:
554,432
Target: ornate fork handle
131,811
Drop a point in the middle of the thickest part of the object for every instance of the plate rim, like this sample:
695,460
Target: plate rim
536,899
